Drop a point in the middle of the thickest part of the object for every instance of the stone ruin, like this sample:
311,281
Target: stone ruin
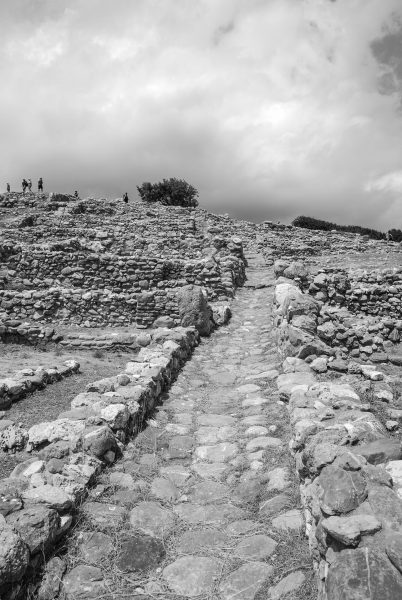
97,274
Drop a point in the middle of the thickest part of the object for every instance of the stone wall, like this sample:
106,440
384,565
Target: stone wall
27,381
377,292
349,467
104,290
39,499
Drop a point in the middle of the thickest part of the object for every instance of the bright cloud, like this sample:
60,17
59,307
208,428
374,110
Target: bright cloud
270,108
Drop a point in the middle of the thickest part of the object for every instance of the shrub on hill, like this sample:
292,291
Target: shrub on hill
173,192
396,235
310,223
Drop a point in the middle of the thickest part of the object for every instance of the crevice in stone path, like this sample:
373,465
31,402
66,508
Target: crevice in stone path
205,501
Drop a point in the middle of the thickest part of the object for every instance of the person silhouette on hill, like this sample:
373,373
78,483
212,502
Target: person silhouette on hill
125,198
76,194
8,188
29,185
24,185
40,184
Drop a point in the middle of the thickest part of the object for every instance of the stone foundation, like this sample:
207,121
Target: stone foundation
349,467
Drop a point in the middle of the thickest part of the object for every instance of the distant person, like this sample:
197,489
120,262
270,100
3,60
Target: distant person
8,188
24,185
29,185
125,198
76,194
40,184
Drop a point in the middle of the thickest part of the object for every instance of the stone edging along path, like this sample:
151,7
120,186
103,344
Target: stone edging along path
38,500
350,470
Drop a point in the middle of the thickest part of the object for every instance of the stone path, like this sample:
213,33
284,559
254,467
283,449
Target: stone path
205,502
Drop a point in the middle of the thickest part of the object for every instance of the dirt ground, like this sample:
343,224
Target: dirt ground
47,404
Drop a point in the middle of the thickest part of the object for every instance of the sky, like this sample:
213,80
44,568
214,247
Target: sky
270,108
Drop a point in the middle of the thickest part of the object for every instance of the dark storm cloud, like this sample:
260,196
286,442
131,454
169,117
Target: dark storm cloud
270,109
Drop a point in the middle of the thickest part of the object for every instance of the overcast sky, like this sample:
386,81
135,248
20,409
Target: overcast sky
270,108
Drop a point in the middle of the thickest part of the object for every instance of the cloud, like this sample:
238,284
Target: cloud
270,109
391,182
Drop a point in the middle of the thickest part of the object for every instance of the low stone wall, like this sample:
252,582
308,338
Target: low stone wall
377,292
350,470
39,499
27,381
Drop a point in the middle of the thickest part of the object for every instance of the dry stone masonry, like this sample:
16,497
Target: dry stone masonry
39,498
276,448
349,467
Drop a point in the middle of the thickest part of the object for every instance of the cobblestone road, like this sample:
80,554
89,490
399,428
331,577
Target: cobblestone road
205,502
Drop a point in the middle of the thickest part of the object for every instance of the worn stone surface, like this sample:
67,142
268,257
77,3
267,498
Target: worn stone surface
256,547
139,553
363,573
192,575
84,582
151,519
245,581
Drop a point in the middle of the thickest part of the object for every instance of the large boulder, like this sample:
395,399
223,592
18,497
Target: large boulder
37,526
194,309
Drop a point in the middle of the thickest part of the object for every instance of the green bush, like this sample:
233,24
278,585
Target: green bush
172,192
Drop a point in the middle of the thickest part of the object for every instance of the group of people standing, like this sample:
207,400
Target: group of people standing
27,185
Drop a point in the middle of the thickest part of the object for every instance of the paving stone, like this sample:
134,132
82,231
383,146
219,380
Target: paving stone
247,491
152,519
254,420
241,527
139,553
215,420
95,546
177,429
164,489
176,473
125,498
244,582
290,520
181,446
183,418
274,505
217,453
192,575
256,547
260,443
208,492
278,479
248,388
208,514
289,584
249,402
85,582
212,435
255,430
104,514
194,541
123,480
210,470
